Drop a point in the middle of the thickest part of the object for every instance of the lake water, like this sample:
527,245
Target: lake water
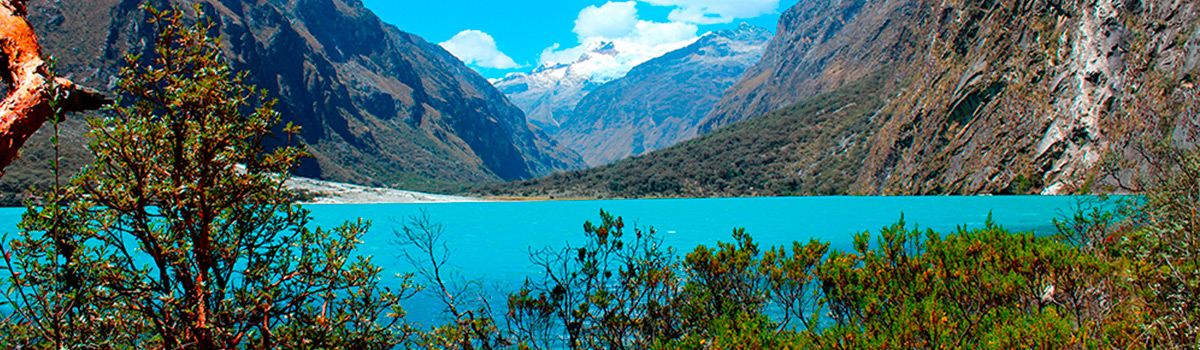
490,241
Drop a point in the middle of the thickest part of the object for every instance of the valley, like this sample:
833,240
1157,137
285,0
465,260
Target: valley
814,174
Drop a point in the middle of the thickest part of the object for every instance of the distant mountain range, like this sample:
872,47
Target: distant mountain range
550,92
924,97
662,101
376,105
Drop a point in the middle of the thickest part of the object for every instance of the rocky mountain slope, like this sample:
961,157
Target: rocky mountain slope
550,92
376,105
819,46
660,102
978,96
1027,97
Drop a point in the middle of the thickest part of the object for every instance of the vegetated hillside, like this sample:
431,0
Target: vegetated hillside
812,147
661,101
991,96
376,105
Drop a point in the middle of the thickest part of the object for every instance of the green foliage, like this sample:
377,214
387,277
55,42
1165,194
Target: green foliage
1022,185
180,234
740,331
965,290
724,281
908,288
1159,249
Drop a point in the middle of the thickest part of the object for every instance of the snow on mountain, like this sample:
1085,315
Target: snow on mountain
550,92
662,101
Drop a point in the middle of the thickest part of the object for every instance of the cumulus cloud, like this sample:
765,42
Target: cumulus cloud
555,54
715,11
654,33
478,48
617,22
611,20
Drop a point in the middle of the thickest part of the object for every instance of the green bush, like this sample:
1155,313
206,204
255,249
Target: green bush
973,288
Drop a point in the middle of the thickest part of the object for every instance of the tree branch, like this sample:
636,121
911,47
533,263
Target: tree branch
28,104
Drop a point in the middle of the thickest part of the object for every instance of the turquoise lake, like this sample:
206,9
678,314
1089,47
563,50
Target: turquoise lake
490,241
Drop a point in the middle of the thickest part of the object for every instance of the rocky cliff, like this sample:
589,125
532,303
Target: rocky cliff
376,105
1026,96
660,102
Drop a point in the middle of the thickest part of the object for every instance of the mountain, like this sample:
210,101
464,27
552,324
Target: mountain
820,45
550,92
377,106
929,97
660,102
812,147
547,94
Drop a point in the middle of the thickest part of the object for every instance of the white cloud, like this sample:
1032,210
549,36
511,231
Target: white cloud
715,11
611,20
478,48
654,33
612,39
618,23
604,60
552,55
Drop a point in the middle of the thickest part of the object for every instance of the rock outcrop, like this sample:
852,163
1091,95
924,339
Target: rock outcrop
818,47
1021,96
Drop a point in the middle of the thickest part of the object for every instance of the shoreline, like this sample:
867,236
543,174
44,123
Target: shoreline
328,192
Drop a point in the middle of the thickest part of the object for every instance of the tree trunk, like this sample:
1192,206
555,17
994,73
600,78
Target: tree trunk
22,68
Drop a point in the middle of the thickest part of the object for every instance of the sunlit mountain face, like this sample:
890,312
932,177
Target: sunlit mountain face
549,92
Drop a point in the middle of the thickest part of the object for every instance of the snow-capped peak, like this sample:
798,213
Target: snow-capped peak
549,92
601,61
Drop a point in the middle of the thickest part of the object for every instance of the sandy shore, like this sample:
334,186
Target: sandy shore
326,192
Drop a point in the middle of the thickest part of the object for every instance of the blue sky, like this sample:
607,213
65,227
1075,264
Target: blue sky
500,36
